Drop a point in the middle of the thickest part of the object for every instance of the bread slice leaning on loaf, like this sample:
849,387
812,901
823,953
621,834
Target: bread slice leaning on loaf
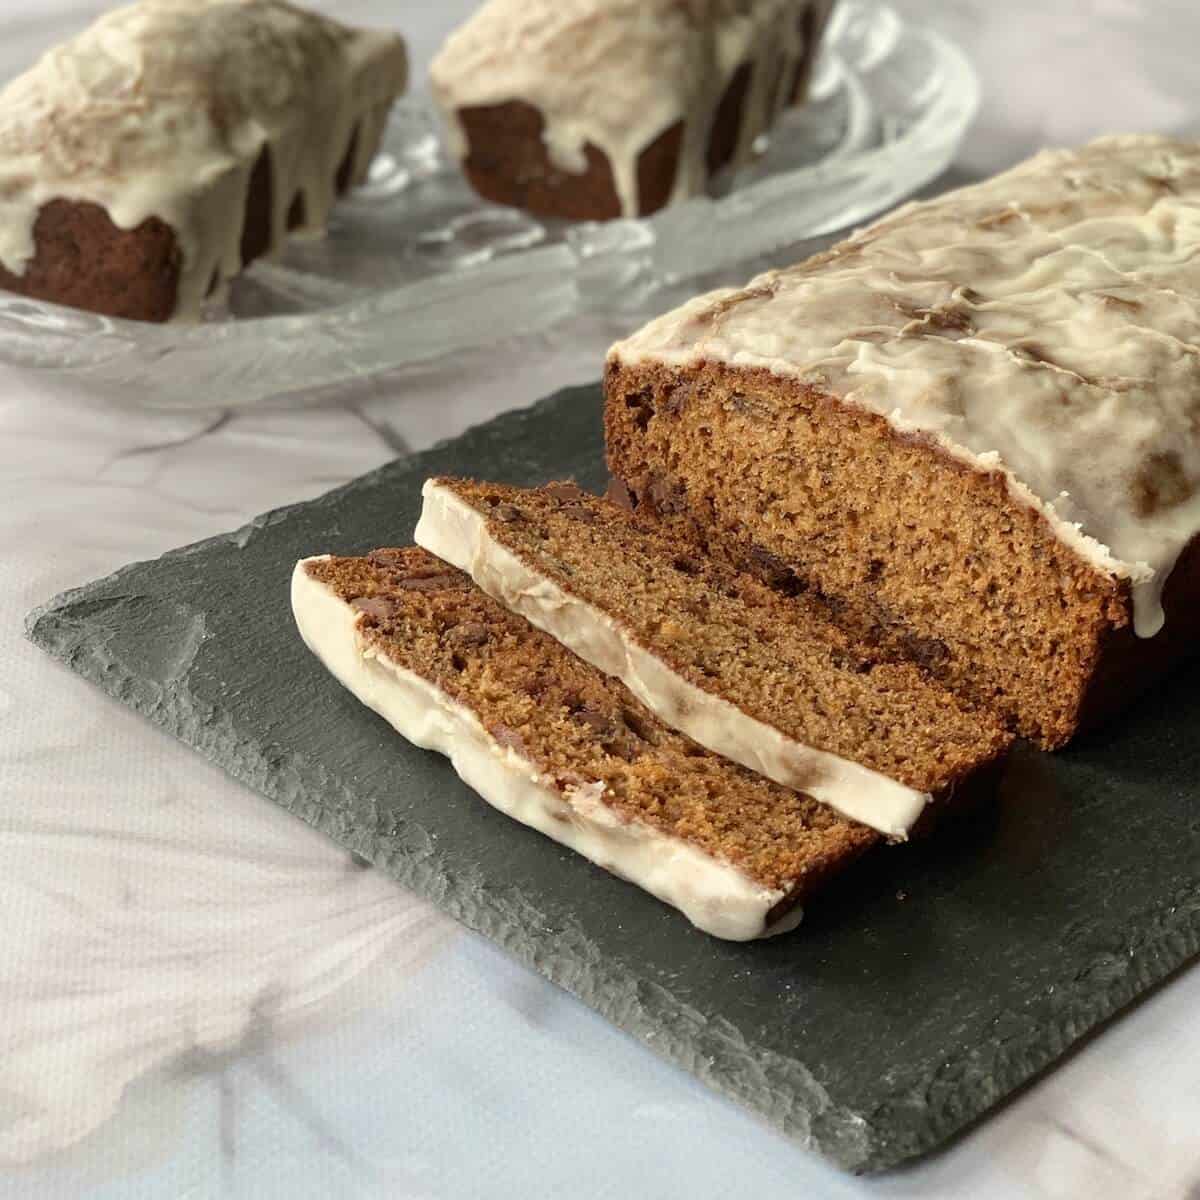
714,652
971,430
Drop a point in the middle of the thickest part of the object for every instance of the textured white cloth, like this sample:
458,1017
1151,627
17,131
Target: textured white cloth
202,997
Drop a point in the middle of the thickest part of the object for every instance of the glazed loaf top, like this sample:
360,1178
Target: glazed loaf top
161,109
1044,324
616,73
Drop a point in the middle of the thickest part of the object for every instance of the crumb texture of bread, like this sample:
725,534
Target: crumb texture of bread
145,162
599,577
594,109
580,729
970,430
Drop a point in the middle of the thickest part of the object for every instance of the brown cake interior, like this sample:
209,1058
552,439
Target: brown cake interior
777,657
918,555
578,726
82,259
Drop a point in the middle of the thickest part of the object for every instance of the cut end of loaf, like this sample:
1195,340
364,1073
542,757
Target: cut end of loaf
917,556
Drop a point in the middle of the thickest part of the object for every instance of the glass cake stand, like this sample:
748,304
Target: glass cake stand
415,266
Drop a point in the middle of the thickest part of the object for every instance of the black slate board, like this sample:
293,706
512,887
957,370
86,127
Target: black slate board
926,986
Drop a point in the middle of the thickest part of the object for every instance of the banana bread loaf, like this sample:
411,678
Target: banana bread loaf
972,430
591,109
561,747
144,163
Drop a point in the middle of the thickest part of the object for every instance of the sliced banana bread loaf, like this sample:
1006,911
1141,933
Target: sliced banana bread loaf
973,428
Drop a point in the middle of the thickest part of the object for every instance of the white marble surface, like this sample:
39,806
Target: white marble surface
164,1031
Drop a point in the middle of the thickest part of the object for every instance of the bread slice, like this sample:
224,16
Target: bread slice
558,745
715,653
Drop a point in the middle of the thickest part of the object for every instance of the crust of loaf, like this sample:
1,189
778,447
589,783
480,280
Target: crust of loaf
1127,665
508,162
814,20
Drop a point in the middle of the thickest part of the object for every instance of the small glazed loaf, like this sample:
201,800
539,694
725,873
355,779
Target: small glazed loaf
144,163
593,109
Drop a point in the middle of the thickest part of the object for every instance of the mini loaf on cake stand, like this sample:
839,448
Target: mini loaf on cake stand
972,430
144,163
559,746
593,109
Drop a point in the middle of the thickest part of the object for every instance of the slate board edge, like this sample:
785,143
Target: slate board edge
779,1089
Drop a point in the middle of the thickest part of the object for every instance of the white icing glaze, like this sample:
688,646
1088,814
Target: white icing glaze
161,110
714,895
1044,324
618,73
450,528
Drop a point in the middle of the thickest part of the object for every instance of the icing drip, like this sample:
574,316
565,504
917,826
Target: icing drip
618,73
714,895
1044,324
162,109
